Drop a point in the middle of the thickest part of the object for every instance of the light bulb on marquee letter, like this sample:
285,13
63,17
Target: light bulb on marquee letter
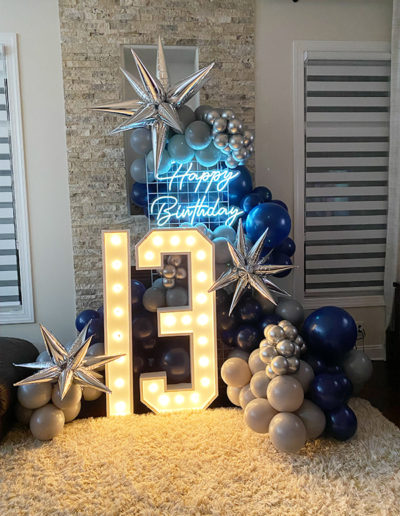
198,320
117,321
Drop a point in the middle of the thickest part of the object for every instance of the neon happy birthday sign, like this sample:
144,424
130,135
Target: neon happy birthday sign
193,196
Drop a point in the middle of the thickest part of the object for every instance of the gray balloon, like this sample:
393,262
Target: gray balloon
186,115
305,375
291,310
138,170
287,432
245,396
209,156
235,372
154,298
43,357
313,419
22,414
90,394
285,393
233,394
34,395
177,296
357,367
198,135
222,254
201,110
71,412
259,384
239,353
71,399
258,414
255,362
47,422
95,349
140,140
225,231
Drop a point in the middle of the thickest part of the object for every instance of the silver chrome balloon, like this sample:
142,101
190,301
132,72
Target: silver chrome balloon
181,273
168,282
219,125
239,154
211,116
297,351
236,141
267,354
275,334
231,162
270,372
158,102
294,364
285,348
169,271
221,141
175,260
68,366
290,331
235,126
248,137
280,365
248,270
226,150
228,114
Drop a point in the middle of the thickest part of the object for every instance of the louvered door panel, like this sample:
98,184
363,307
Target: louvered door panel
346,160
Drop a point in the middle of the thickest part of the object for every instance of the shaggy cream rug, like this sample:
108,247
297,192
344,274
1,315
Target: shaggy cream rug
198,463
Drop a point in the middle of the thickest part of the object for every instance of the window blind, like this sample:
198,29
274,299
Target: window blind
346,164
10,292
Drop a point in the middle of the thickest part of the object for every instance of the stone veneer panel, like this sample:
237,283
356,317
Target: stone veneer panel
92,33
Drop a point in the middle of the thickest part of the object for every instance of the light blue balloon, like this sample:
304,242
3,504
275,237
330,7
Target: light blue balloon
209,156
222,254
179,150
226,232
138,170
140,140
165,163
198,135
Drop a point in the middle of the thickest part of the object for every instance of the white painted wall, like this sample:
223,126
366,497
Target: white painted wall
278,24
38,29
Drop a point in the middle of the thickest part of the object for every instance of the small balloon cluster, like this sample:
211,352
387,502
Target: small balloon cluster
298,404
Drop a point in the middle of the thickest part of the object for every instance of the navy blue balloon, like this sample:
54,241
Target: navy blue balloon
263,193
240,186
248,310
249,202
137,291
228,337
144,327
277,258
280,203
271,216
287,247
225,321
330,332
341,423
100,311
247,337
176,363
317,364
269,319
84,317
139,194
96,330
328,391
146,344
223,300
140,363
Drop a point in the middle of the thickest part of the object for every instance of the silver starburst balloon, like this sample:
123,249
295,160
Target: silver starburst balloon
249,271
68,366
158,101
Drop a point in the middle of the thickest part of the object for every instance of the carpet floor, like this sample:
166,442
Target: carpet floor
199,463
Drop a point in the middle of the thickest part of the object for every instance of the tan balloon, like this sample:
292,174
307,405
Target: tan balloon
47,422
72,397
285,393
287,432
245,396
259,384
255,362
304,374
235,372
71,412
313,419
91,394
233,394
22,414
34,395
258,414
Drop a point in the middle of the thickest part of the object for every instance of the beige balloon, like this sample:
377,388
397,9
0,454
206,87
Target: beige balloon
255,362
91,394
258,414
245,396
259,384
71,412
235,372
233,394
305,375
287,432
47,422
22,414
34,395
285,393
313,418
72,397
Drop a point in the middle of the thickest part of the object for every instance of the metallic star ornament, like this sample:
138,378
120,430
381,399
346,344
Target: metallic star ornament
158,101
68,366
249,271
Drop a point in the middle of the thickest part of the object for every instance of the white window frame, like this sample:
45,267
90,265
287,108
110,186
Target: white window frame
299,50
25,312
